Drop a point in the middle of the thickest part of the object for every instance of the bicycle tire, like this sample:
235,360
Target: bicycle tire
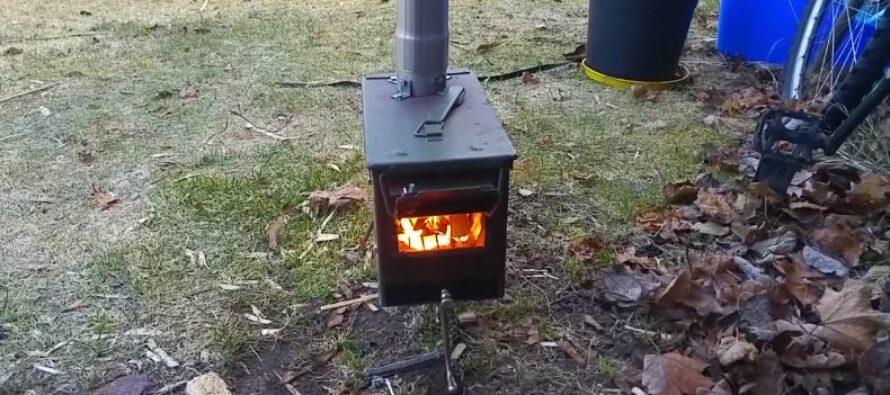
838,32
867,72
796,66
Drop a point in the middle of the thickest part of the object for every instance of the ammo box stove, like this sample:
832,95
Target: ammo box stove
440,163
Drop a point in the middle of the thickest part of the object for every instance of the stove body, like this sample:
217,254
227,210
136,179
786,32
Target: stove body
440,168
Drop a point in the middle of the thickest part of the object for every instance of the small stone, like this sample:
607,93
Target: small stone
45,111
207,384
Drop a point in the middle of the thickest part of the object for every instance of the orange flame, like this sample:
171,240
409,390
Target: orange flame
441,232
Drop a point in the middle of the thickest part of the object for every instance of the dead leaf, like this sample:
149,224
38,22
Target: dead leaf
77,304
731,350
823,263
874,366
571,351
207,384
577,55
711,228
340,197
627,288
716,206
587,248
765,376
530,78
134,384
102,199
524,192
189,91
797,284
779,245
840,242
870,195
643,92
468,318
674,374
683,192
848,320
277,225
327,356
685,291
335,320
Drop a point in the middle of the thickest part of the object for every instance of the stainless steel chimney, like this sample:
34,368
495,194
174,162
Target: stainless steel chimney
421,47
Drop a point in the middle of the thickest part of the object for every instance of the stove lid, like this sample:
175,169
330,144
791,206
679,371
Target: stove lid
471,132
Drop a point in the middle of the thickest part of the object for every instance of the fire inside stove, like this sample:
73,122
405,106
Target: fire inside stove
441,232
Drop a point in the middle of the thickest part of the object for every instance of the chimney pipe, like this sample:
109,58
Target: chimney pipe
421,51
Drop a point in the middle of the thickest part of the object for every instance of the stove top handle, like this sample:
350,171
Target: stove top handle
415,199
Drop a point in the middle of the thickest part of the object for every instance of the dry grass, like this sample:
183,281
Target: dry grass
588,152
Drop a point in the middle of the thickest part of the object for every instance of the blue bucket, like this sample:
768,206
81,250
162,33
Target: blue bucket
758,31
762,31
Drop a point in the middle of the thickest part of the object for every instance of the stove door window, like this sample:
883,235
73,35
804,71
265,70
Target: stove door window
441,232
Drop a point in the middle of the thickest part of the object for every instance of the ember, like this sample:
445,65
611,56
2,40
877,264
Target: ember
441,232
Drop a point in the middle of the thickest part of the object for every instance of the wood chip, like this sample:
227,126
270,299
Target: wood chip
143,332
458,351
335,320
48,369
152,356
270,331
229,287
323,237
372,307
290,376
258,320
291,389
77,304
346,303
468,318
549,344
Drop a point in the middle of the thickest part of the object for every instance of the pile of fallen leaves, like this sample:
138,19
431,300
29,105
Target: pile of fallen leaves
769,294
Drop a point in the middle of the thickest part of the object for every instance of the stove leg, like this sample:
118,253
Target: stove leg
446,311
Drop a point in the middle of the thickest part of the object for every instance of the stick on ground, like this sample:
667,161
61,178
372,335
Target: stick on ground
26,93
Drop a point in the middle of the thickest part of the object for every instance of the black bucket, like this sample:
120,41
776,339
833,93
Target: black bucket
638,40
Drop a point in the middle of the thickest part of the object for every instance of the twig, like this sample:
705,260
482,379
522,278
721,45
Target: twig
350,302
644,332
316,84
258,128
518,73
26,93
203,6
170,387
13,40
12,136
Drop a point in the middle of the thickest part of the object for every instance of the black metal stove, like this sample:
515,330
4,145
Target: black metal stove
440,166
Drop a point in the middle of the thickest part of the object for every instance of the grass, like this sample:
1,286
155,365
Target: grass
191,179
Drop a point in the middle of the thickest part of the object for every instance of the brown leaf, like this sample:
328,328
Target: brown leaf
848,320
644,92
711,228
571,351
716,206
674,374
335,198
870,195
335,320
587,248
126,385
327,356
680,192
797,283
629,378
102,199
875,367
685,291
274,230
731,350
765,377
577,55
189,91
840,242
625,288
530,78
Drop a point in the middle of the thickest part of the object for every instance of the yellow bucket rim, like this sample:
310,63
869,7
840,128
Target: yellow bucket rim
621,83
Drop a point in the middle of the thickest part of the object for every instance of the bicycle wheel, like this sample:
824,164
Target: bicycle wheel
831,37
